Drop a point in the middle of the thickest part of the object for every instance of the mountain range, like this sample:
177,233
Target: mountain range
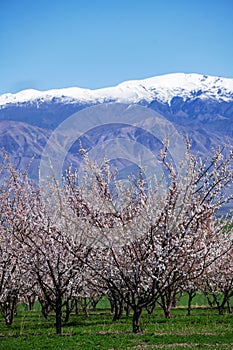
196,105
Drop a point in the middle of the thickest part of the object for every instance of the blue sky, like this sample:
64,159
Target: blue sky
50,44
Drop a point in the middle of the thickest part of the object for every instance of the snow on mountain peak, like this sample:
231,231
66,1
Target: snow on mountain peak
162,88
165,87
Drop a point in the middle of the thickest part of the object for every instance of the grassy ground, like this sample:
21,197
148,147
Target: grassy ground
204,329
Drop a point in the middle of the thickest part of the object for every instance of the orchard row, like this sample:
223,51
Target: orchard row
137,241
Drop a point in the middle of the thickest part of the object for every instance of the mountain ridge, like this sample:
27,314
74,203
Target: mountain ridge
162,88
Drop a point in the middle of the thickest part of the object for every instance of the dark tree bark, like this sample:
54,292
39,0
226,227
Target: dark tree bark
9,308
127,310
166,302
191,294
136,319
58,311
85,306
69,306
229,307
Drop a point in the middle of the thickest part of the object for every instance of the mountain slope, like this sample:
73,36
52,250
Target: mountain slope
197,105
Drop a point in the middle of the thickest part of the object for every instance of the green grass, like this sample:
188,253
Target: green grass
198,301
204,329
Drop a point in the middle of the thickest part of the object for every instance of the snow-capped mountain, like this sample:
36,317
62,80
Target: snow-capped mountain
162,88
198,105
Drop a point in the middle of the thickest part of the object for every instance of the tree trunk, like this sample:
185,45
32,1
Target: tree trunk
166,304
85,307
31,302
9,314
191,295
220,306
121,308
58,312
127,310
9,308
76,308
226,300
116,310
229,307
46,308
136,319
167,311
173,301
94,302
69,307
112,305
210,302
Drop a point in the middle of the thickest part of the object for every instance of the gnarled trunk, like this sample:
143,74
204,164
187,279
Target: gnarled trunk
9,308
191,295
58,311
137,311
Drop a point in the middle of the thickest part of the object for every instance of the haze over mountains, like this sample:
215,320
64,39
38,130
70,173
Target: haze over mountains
198,105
